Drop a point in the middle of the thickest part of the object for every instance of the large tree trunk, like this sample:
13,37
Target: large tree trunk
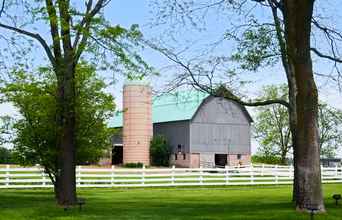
292,111
282,37
66,179
308,177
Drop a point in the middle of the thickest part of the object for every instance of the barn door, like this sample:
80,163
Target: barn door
220,160
117,155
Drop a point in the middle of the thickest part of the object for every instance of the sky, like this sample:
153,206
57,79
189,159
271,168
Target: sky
128,12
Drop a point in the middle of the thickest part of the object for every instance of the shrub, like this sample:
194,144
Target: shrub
266,159
159,151
133,165
6,156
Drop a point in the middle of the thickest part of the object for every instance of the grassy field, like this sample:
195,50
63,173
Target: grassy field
165,203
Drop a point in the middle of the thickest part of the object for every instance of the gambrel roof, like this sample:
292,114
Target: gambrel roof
178,106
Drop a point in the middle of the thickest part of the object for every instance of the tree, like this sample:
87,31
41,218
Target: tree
298,17
330,130
273,132
289,19
33,94
6,156
160,151
5,127
272,126
76,30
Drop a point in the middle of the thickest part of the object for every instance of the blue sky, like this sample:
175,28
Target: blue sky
128,12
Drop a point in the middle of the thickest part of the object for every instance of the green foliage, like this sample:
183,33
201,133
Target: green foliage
133,165
271,127
256,48
5,129
93,37
160,151
6,156
267,159
330,127
33,94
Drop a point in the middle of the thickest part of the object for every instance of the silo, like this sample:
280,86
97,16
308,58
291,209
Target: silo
137,124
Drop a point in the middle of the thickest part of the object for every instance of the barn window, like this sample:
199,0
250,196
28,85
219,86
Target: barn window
179,148
239,156
175,156
184,156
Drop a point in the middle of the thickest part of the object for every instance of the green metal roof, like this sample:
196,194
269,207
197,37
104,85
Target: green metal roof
176,106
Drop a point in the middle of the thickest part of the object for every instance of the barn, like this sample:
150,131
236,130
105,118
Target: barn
202,130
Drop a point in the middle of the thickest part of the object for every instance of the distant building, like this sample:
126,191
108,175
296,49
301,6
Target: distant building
331,162
201,129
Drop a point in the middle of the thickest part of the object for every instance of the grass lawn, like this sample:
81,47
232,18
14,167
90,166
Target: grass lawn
165,203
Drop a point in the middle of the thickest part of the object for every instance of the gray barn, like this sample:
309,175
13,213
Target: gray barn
202,130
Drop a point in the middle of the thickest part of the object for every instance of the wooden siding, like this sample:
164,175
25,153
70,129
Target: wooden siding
176,132
220,126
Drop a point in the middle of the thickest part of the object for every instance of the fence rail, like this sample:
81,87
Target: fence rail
35,177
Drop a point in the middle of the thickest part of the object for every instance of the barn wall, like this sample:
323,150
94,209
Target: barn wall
220,126
177,133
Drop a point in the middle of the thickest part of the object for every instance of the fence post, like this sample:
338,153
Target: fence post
173,175
322,173
43,177
276,173
78,183
201,175
262,169
7,175
112,176
227,174
143,175
290,172
252,173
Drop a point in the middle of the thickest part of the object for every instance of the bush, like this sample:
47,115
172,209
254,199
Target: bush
6,156
159,151
266,159
133,165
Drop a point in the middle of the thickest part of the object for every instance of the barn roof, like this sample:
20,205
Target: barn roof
178,106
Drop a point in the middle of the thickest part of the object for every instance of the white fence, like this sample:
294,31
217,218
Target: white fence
34,177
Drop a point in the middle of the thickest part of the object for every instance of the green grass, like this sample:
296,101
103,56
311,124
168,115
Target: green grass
166,203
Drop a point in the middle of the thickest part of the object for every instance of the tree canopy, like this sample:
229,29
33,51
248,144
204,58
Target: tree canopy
33,94
67,32
273,132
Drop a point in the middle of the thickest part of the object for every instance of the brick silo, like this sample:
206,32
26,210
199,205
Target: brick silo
137,122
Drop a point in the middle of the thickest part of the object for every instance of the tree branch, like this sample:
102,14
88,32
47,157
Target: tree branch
34,36
2,7
81,24
332,58
64,18
253,103
217,92
54,29
85,27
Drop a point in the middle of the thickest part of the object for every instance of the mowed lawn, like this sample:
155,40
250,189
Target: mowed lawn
165,203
